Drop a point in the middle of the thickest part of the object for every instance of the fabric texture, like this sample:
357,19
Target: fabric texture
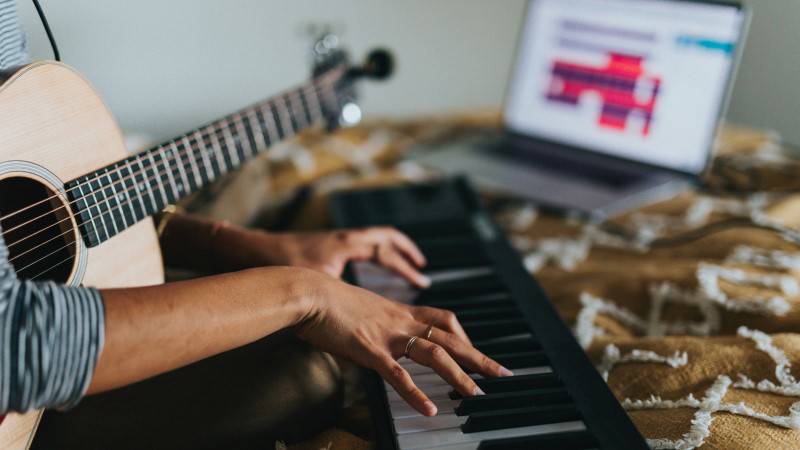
689,307
13,46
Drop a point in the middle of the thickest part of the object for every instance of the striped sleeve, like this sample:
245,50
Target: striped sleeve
50,338
13,48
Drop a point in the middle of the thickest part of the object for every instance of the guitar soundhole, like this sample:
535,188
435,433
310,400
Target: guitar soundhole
37,230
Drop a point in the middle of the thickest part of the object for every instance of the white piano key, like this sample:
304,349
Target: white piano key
435,392
454,436
440,421
445,275
401,409
461,446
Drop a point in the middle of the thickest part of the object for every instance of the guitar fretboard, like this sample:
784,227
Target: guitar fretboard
117,196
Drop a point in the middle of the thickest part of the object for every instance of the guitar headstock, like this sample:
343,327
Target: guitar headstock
332,66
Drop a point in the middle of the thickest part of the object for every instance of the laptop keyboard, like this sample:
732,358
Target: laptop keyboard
586,168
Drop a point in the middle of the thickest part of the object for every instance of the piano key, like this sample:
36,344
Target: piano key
438,392
431,378
488,329
519,417
484,284
574,440
449,252
515,383
506,400
453,436
522,359
402,409
491,300
524,343
416,424
455,274
496,313
416,370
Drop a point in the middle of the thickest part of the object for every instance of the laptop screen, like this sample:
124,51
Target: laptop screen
643,80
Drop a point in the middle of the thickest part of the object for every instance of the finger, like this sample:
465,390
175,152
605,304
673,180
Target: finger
396,262
401,381
407,247
443,319
436,357
467,355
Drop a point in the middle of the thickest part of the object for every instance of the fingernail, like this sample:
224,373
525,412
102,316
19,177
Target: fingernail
424,281
430,408
505,372
479,391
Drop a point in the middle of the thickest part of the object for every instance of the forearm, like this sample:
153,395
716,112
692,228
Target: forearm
155,329
196,243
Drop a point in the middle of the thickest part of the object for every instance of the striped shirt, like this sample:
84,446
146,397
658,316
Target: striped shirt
50,335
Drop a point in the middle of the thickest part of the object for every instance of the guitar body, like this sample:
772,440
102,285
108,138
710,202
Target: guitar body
54,128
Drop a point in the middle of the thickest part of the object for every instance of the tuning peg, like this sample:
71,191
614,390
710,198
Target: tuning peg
378,65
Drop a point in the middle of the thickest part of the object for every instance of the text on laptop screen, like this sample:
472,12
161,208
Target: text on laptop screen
639,79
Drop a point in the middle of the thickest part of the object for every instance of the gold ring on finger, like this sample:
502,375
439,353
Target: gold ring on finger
428,333
410,344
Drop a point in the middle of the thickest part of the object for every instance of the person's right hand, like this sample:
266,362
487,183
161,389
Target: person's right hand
372,331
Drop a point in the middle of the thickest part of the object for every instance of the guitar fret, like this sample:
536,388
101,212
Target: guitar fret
147,181
315,110
192,162
157,174
269,122
230,143
140,209
113,195
252,118
117,209
95,186
243,137
204,155
184,185
285,118
162,152
215,144
297,109
88,209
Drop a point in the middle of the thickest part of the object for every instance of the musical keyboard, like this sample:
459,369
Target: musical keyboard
555,399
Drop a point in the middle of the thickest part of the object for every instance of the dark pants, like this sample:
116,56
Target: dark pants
277,388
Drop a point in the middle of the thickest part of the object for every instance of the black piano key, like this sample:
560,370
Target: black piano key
523,344
520,417
432,230
571,440
489,329
507,400
503,312
493,300
514,383
452,253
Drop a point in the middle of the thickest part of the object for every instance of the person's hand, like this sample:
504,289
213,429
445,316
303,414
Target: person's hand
327,251
361,326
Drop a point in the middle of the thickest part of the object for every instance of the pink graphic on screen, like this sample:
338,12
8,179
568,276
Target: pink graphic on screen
624,87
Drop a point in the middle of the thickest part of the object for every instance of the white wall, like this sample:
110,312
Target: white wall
165,66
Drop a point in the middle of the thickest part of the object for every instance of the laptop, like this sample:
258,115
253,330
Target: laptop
611,103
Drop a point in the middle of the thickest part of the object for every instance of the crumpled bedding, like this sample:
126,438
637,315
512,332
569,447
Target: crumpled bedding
689,308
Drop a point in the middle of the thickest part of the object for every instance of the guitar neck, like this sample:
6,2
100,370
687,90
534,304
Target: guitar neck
111,199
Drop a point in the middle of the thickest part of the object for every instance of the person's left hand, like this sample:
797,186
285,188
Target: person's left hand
327,251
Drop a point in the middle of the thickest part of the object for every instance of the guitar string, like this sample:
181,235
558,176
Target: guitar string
165,161
214,130
203,155
321,85
167,169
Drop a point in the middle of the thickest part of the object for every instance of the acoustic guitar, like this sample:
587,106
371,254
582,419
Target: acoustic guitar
75,207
